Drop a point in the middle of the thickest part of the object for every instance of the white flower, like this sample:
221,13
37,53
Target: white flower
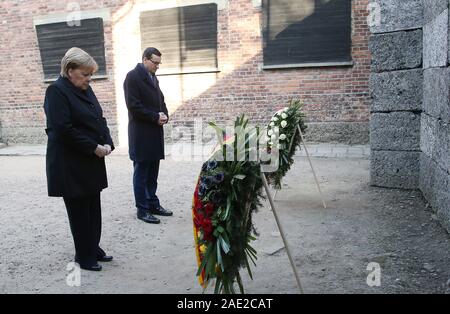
283,123
286,109
276,130
270,132
284,116
272,123
273,137
275,119
282,137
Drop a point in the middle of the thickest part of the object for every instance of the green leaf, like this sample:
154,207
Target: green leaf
200,268
248,267
285,159
205,259
251,258
251,136
211,263
227,211
248,246
220,132
234,194
253,254
239,281
217,286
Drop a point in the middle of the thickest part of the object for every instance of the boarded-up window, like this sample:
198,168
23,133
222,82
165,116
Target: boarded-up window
56,38
186,36
306,31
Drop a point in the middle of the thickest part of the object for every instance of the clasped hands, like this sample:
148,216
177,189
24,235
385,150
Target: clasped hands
162,118
102,150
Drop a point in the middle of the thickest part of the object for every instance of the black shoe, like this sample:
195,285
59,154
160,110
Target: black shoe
95,267
104,258
160,211
148,218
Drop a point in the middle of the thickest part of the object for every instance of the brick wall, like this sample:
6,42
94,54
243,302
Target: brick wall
336,98
22,83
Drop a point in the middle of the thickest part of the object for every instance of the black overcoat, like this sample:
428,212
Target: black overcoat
144,102
75,126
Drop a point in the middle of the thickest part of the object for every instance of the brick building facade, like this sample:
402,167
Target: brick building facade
336,96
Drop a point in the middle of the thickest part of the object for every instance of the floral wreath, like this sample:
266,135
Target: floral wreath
283,128
226,196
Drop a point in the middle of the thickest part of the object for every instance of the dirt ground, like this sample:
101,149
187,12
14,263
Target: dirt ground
331,247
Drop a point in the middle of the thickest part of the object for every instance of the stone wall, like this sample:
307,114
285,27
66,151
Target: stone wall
435,126
410,100
396,94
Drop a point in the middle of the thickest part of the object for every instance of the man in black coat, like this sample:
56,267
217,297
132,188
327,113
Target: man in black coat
147,113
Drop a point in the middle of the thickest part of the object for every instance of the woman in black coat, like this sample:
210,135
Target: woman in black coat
78,141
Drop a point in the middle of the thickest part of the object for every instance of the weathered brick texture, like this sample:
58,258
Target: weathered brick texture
336,98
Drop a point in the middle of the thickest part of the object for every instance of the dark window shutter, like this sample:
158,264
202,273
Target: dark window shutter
56,38
186,36
298,31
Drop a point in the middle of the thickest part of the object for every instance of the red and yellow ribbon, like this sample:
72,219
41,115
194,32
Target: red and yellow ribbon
198,248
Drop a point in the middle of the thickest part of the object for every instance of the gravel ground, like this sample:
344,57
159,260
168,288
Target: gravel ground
331,247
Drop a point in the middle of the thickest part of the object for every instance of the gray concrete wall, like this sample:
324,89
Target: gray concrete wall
434,178
410,100
396,93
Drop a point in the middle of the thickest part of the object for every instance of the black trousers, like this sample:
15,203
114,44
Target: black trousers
145,184
85,220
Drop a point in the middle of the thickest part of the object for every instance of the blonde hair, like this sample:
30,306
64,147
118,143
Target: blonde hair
76,58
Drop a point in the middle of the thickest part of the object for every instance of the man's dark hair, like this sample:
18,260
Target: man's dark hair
149,52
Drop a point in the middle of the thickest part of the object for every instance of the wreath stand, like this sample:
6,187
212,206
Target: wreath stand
291,260
272,205
302,141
